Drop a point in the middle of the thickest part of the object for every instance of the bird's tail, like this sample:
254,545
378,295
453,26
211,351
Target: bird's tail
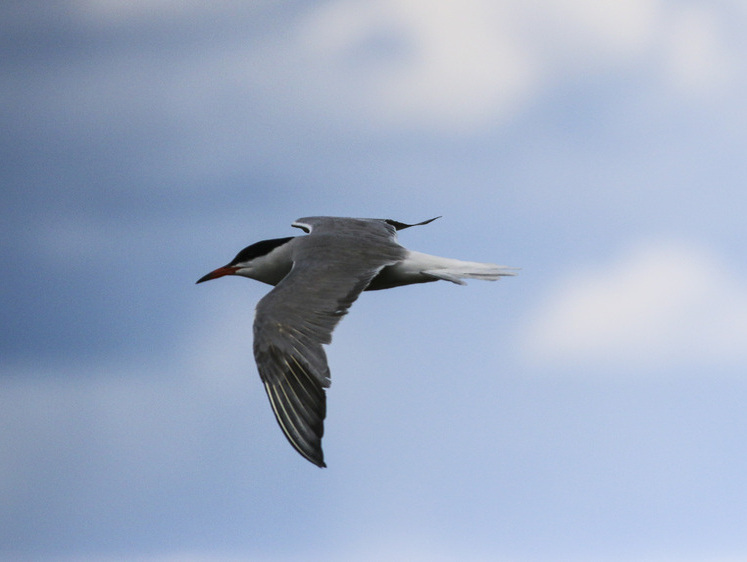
448,269
457,270
417,267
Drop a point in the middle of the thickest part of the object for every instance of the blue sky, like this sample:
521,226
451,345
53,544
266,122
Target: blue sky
590,409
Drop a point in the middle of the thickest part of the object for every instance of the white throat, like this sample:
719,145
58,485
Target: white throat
272,267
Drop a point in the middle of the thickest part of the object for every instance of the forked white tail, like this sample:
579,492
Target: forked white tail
457,270
421,268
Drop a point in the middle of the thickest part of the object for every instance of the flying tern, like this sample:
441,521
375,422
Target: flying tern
317,277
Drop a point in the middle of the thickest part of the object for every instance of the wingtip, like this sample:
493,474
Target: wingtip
314,457
314,454
401,225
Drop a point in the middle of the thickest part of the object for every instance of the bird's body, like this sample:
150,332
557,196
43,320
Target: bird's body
316,278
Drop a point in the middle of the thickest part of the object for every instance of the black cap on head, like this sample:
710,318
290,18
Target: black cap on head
259,249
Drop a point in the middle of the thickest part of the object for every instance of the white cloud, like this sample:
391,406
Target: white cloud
697,59
452,63
658,304
464,66
443,66
391,65
467,66
583,31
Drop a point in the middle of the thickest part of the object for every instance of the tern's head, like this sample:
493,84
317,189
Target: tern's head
254,261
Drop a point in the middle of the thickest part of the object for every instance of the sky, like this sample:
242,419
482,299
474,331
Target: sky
591,408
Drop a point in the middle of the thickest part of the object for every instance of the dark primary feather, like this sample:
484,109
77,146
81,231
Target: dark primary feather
401,225
331,267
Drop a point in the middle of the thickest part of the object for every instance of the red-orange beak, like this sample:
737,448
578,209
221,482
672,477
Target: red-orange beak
220,272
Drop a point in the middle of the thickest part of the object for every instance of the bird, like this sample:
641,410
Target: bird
316,278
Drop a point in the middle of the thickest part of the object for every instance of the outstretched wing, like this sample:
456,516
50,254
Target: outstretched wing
331,267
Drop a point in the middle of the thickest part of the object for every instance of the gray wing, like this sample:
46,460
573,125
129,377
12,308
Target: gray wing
331,267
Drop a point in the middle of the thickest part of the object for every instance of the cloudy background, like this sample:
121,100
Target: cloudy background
592,408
